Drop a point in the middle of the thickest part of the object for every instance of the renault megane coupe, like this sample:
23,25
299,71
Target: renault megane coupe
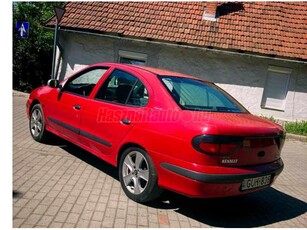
162,129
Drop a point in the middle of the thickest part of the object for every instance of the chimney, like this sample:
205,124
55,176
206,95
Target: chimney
210,11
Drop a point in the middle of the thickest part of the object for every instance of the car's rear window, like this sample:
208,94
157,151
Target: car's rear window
191,94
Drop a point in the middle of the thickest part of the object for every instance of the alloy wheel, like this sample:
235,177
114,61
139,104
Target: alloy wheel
135,172
36,122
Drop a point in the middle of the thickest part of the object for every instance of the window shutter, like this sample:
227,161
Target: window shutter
276,88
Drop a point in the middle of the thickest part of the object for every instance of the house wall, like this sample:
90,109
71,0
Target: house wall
243,76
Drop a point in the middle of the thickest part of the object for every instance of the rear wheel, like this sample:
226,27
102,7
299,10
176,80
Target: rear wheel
138,176
37,124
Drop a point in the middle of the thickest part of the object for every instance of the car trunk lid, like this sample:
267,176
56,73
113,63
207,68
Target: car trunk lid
242,139
254,150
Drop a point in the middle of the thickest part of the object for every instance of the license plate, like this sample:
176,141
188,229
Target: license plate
255,182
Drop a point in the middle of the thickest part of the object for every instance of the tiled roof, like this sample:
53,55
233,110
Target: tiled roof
271,28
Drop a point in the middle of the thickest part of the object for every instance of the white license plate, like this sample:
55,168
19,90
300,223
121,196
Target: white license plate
256,182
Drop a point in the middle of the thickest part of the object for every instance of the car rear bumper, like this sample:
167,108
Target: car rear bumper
216,183
274,168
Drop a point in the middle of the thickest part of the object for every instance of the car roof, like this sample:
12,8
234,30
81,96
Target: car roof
161,72
152,70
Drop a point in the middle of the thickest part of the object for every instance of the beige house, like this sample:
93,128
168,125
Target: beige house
257,51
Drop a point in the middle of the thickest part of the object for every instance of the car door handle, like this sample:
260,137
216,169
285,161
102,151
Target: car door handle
77,107
126,121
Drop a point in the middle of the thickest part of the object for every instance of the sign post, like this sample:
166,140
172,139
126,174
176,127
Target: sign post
59,12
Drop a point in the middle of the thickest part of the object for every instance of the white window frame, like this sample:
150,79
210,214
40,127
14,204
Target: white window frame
132,55
287,74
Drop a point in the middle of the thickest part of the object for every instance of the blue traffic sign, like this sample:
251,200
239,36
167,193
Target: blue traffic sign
23,29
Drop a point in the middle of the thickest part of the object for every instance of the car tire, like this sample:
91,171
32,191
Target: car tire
138,176
37,124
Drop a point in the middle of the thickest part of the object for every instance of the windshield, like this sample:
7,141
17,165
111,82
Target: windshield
191,94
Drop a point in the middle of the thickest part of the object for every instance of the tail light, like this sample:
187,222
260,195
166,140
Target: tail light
280,140
216,144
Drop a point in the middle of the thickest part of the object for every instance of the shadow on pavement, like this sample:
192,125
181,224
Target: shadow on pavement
253,210
86,157
17,194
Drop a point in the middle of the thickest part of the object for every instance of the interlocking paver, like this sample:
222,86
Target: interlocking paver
108,222
61,217
44,221
120,223
55,225
82,223
59,185
73,218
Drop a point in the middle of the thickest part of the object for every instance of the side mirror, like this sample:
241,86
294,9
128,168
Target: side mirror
53,83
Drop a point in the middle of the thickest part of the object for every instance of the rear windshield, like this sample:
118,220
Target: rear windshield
197,95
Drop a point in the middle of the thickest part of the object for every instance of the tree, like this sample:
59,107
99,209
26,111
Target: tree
32,57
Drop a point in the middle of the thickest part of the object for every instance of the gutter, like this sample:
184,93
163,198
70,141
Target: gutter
185,46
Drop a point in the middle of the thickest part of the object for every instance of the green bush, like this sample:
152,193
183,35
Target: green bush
271,118
32,57
299,127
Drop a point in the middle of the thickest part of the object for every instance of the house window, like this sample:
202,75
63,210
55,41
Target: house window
132,58
276,88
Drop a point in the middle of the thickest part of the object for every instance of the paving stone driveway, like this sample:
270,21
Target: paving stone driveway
60,185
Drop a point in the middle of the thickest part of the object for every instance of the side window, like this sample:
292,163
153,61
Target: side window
123,88
85,82
139,95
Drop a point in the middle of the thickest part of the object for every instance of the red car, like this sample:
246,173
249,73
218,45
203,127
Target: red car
163,130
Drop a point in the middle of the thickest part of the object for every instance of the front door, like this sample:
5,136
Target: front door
64,112
118,104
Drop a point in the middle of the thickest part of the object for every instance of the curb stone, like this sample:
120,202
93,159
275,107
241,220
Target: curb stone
290,136
20,94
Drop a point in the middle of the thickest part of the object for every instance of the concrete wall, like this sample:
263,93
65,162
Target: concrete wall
242,76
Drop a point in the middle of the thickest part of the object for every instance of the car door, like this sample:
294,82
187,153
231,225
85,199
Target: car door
119,103
65,111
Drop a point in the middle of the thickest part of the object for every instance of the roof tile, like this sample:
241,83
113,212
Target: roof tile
273,28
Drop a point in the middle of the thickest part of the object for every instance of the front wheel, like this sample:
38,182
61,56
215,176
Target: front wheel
37,124
138,176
